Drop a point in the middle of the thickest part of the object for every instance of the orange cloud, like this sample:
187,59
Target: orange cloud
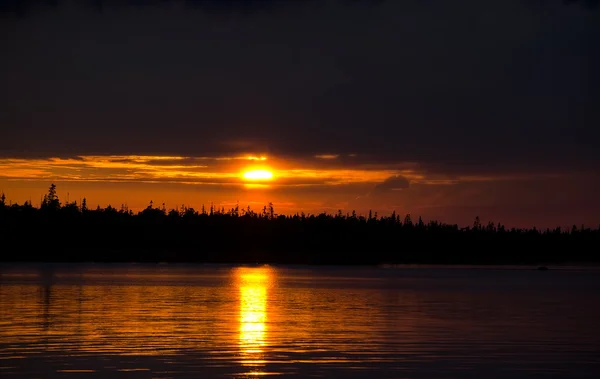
194,170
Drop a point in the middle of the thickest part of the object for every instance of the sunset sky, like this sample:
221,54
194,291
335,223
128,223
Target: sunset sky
443,109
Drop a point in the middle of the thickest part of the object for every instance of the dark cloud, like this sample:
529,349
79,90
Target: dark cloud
241,5
215,7
525,202
494,86
591,4
24,7
393,183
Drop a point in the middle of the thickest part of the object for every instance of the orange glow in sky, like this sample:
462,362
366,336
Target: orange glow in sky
311,184
327,182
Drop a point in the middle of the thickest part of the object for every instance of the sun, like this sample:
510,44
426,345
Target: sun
257,175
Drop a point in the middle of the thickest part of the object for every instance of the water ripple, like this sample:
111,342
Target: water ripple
194,321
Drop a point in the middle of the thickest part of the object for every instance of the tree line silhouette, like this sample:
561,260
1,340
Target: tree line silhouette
72,232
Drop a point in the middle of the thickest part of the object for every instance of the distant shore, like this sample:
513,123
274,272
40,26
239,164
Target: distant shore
73,233
41,252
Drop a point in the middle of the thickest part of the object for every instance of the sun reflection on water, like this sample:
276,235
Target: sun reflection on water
252,318
253,285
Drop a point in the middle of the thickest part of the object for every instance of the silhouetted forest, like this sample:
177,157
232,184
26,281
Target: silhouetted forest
72,232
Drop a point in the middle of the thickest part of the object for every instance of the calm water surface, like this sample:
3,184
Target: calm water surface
177,321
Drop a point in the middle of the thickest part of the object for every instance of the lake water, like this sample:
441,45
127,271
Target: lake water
184,321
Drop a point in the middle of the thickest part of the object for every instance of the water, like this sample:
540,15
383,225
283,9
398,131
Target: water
164,321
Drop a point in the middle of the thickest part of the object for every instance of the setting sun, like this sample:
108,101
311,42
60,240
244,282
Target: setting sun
258,175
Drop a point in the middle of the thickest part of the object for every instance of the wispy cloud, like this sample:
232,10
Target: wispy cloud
222,170
327,156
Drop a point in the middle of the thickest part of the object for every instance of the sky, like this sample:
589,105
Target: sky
445,110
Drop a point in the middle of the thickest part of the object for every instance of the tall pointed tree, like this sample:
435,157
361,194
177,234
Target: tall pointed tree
52,198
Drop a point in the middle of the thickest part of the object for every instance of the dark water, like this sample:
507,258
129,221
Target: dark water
161,321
